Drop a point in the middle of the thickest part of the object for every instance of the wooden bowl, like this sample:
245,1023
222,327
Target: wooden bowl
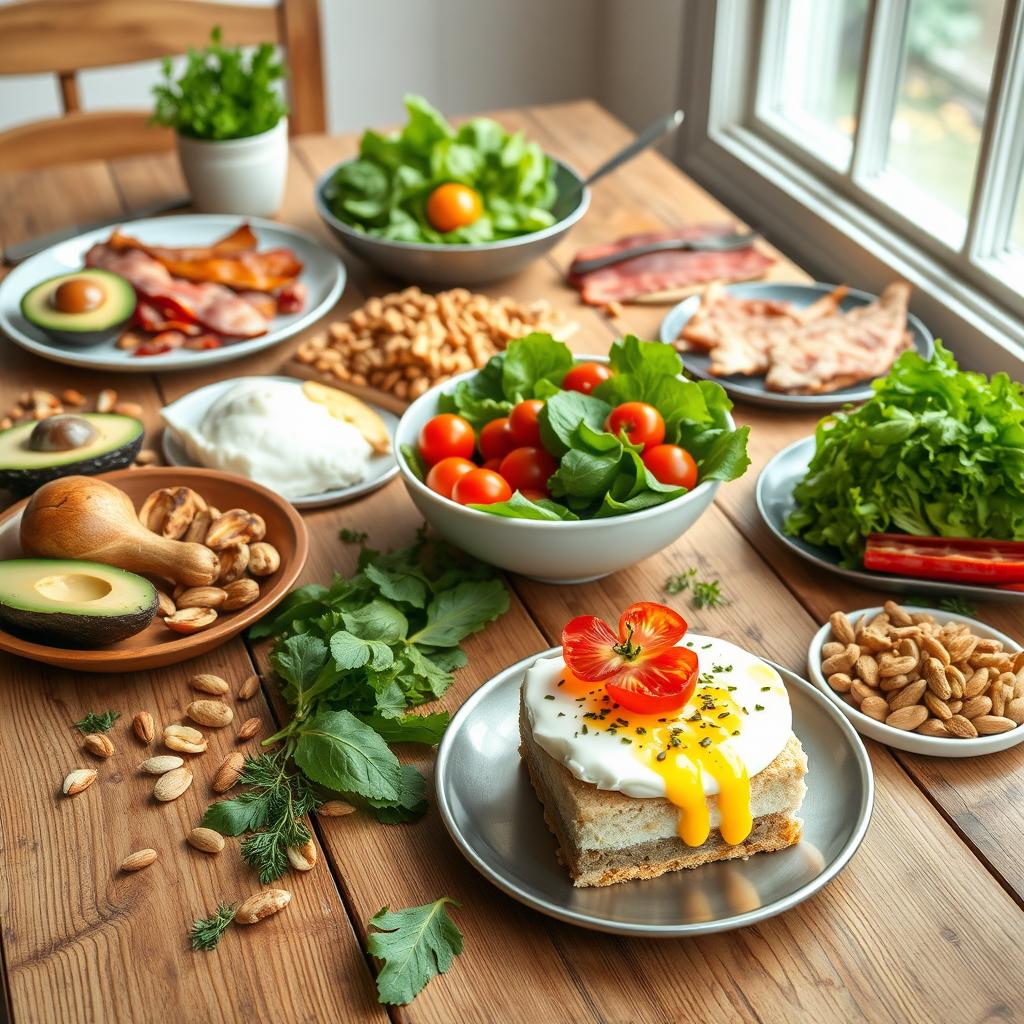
157,646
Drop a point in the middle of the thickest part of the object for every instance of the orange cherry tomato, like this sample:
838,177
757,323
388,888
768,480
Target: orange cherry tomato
481,487
522,423
496,439
528,469
641,422
452,206
671,464
446,435
445,474
584,377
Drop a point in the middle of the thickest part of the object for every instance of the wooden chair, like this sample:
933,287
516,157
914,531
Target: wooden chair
67,36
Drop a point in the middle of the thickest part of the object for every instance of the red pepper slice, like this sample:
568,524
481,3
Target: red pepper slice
958,559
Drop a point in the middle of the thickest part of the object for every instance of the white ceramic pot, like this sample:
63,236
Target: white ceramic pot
553,552
244,176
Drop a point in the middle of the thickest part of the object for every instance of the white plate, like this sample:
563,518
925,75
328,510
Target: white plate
323,274
192,408
900,739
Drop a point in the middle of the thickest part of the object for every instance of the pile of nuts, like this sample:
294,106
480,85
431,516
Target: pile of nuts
904,669
180,513
406,342
38,404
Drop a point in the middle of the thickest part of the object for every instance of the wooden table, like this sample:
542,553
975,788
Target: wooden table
924,925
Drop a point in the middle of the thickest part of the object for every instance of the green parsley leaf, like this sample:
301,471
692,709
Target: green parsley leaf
93,722
348,536
427,729
378,620
410,805
415,944
298,661
399,585
453,614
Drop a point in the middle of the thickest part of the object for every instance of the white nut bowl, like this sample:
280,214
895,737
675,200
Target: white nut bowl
552,552
900,739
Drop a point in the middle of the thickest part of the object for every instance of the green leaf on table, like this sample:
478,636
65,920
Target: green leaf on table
410,805
377,620
453,614
298,661
415,944
390,701
411,728
398,585
244,813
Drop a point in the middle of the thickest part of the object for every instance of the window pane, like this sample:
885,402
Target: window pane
940,107
1017,232
817,72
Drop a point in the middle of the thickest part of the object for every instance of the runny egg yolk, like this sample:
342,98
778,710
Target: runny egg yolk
681,749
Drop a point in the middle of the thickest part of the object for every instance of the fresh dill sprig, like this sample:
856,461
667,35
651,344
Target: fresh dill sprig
680,582
349,536
708,594
94,722
207,931
954,605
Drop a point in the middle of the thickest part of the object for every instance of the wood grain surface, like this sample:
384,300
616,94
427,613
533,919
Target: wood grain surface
924,925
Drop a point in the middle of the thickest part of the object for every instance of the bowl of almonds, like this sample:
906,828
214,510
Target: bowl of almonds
922,680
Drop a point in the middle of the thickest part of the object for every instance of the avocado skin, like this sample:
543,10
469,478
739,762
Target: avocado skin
94,327
65,629
25,481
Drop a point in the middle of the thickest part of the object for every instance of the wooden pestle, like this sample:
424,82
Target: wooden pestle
82,517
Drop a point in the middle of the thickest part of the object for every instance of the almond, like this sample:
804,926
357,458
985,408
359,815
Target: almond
897,616
143,726
236,526
190,620
213,713
249,688
205,839
173,784
79,779
184,504
335,809
961,647
1018,662
227,774
875,707
889,684
240,593
138,860
840,682
842,629
262,905
105,400
962,727
161,764
895,665
956,680
934,649
196,532
908,696
875,640
908,718
841,662
233,563
989,725
206,682
976,706
831,649
1014,710
867,669
304,857
201,597
977,684
955,707
184,738
932,727
264,560
939,708
98,744
935,674
860,692
249,728
164,605
909,649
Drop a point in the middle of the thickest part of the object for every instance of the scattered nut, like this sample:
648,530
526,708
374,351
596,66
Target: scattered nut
249,688
205,839
240,593
206,682
190,620
161,764
165,606
264,559
227,774
106,400
304,857
171,785
202,597
249,728
79,779
185,739
143,726
335,809
213,713
262,905
138,860
99,744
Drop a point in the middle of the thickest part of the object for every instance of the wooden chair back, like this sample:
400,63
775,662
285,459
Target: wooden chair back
64,37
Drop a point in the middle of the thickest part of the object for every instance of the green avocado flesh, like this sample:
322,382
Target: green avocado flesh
75,604
116,442
115,309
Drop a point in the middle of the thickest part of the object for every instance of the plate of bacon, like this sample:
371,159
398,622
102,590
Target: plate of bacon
208,288
809,346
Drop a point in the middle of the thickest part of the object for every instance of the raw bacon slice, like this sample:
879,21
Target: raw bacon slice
835,351
643,275
212,305
232,261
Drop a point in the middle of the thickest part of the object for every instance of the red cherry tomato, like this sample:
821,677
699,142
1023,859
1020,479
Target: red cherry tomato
522,423
452,206
528,469
584,377
445,474
677,686
496,439
642,423
532,494
494,465
671,464
446,435
481,487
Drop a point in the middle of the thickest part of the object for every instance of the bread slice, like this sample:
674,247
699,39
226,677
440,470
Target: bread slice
607,837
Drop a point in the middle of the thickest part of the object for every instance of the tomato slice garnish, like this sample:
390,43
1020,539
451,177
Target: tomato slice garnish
641,667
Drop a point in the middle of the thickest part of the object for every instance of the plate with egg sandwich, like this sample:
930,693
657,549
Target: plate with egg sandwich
653,815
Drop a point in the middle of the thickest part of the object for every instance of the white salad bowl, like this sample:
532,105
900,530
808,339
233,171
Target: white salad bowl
900,739
552,552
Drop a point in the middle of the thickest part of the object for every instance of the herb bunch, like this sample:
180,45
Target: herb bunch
102,721
221,94
354,658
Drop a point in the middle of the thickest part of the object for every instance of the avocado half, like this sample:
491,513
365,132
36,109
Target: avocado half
103,323
69,603
116,442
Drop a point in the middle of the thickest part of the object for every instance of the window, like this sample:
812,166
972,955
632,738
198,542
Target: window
875,138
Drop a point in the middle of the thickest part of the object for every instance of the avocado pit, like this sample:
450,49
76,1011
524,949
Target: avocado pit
78,295
62,433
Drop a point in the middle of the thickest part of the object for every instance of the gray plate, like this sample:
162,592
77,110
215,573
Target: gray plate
752,389
775,502
192,407
492,813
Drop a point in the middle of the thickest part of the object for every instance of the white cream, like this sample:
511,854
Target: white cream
602,759
270,432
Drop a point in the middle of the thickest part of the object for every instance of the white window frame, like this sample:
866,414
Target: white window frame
826,211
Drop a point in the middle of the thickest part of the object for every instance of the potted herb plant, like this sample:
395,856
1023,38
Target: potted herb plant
231,124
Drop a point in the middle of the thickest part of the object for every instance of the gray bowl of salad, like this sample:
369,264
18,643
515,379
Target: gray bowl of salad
567,468
444,205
